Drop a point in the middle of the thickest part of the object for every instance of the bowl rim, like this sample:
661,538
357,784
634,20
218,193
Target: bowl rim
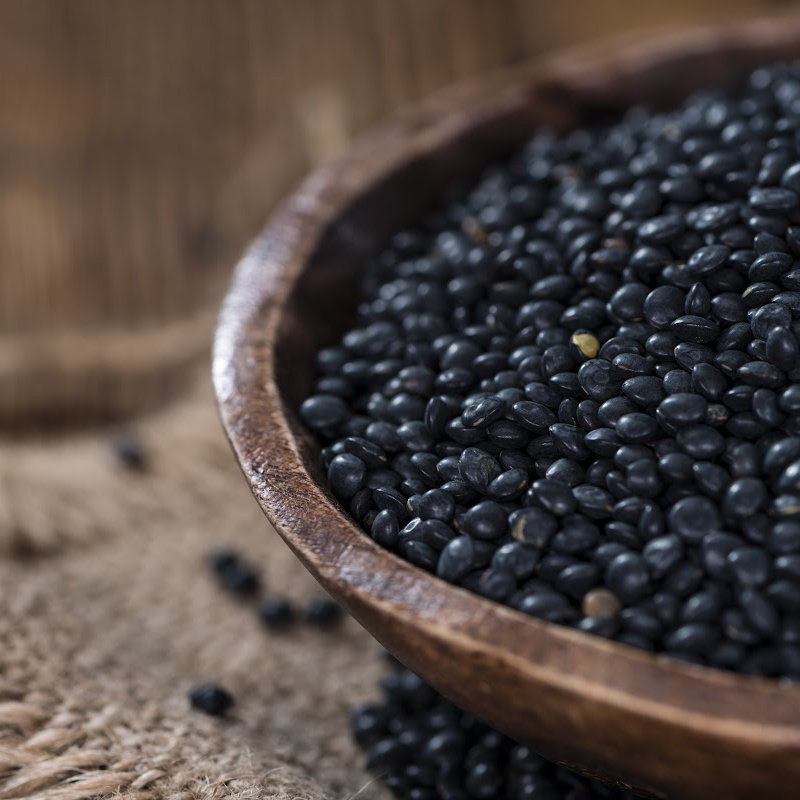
342,556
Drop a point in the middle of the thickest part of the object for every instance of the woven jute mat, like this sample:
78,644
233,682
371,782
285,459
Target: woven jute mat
109,616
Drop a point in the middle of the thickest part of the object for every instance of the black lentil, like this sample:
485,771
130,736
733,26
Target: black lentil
483,413
682,408
233,574
549,606
644,390
210,699
323,411
637,427
323,613
533,526
782,348
130,452
700,441
663,305
346,475
276,613
566,471
602,389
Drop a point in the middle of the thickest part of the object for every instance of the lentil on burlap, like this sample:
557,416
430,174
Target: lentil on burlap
425,748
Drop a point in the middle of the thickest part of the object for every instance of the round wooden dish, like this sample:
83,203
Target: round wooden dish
666,728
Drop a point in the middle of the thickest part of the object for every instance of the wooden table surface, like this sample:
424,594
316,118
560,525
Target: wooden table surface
143,142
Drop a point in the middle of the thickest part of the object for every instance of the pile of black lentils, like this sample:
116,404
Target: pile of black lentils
576,389
425,748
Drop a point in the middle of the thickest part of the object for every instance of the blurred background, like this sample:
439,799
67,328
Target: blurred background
144,142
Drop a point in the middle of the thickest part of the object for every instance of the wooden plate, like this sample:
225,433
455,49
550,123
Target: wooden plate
671,729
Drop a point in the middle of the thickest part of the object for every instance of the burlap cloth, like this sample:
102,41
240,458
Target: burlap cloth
110,615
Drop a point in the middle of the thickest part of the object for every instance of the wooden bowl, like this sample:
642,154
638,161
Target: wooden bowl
666,728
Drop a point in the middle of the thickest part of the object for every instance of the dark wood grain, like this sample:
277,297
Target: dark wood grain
671,729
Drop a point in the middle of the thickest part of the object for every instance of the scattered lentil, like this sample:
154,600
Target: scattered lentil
323,613
276,613
130,452
233,574
211,699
